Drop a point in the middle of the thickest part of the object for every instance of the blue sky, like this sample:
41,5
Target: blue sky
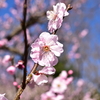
7,9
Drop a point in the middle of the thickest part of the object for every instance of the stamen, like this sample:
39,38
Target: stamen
46,48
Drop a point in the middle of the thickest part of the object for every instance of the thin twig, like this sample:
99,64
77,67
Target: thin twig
26,43
20,90
10,49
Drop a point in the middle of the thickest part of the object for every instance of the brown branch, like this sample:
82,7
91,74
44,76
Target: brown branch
23,23
14,50
20,90
37,18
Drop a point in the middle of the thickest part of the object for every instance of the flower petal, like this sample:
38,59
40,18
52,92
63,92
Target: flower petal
57,49
48,70
40,79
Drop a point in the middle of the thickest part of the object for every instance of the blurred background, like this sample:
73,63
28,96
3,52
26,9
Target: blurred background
80,34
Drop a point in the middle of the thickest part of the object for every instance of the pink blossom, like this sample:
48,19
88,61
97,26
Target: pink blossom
63,74
2,97
51,96
70,72
40,79
15,83
55,17
40,76
59,85
88,96
3,4
48,70
7,58
75,47
80,83
11,70
48,96
20,64
77,55
45,49
74,55
3,42
83,33
69,80
15,13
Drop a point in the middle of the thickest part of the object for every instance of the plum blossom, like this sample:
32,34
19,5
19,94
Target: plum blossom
48,96
55,17
2,97
46,49
51,96
11,70
40,76
59,85
7,58
63,74
83,33
3,42
15,83
40,79
3,4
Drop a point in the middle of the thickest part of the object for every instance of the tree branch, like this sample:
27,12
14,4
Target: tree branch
37,18
23,23
20,90
14,50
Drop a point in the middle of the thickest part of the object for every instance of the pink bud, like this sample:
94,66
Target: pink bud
83,33
18,86
20,64
7,58
11,70
70,72
3,42
15,83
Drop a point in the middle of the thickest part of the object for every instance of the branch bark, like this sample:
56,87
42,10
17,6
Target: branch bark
23,24
14,50
20,90
37,18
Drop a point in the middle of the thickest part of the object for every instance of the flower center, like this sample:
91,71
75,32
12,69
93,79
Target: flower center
52,15
58,85
46,48
55,16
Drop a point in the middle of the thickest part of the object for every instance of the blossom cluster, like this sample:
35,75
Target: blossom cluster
12,69
58,87
45,52
46,48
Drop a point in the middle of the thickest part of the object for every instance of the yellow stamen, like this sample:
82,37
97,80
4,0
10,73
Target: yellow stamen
46,48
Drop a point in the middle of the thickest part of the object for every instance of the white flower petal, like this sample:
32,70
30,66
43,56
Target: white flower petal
48,70
40,79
